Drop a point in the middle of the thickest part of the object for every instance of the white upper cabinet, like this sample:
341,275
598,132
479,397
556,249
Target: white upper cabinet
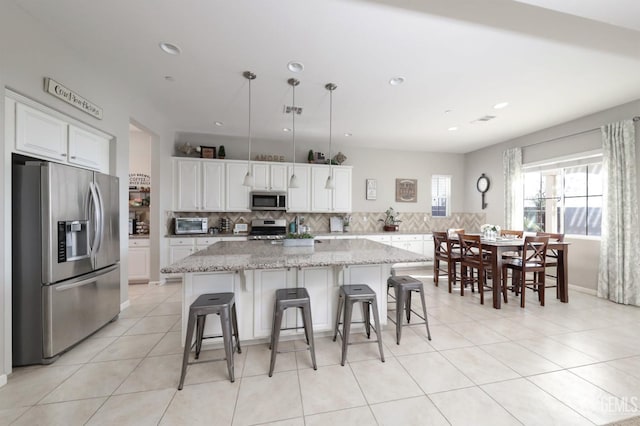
44,133
342,191
198,185
212,186
236,194
320,196
269,176
40,133
187,180
299,199
88,149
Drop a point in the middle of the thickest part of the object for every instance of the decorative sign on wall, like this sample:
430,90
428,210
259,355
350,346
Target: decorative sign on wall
269,157
69,96
139,179
372,189
407,190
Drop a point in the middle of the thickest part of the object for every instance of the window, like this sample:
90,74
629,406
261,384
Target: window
440,195
564,199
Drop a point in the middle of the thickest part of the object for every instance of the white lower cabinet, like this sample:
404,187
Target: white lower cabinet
139,260
412,243
375,276
265,284
323,293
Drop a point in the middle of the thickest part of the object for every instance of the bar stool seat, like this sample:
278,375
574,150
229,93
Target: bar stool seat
404,285
224,305
291,298
348,296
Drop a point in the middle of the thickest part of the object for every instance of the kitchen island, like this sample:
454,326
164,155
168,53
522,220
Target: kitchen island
253,270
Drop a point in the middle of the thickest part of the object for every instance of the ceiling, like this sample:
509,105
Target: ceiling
552,60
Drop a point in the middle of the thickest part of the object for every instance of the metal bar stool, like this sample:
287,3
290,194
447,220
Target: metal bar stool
291,298
224,305
404,285
348,296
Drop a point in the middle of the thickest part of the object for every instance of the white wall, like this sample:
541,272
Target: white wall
583,254
383,165
140,152
30,53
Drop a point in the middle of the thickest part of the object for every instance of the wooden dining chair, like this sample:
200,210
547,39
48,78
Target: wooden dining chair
445,251
473,259
532,262
552,260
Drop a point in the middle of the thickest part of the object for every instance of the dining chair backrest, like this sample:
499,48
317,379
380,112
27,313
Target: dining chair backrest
534,252
505,232
470,246
440,245
556,238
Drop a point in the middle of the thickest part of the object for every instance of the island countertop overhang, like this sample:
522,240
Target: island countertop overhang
251,255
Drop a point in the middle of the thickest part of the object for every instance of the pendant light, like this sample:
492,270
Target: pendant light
248,178
293,182
330,87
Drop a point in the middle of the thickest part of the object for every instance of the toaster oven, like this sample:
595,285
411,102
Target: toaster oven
191,225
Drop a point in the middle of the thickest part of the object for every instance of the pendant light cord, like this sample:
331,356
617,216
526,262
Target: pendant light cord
249,157
330,128
293,130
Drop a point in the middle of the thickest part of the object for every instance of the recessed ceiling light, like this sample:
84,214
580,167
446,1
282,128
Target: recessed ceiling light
294,66
396,81
348,135
286,129
447,111
219,123
501,105
169,78
452,129
169,48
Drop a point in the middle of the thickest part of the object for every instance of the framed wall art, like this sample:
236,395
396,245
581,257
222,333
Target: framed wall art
208,151
407,190
372,189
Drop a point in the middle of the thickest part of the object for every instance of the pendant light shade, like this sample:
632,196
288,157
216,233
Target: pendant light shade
330,87
293,182
248,178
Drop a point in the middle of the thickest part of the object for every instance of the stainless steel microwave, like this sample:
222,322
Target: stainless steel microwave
268,201
191,225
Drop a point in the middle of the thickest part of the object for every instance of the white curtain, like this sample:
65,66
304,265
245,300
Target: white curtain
619,272
513,198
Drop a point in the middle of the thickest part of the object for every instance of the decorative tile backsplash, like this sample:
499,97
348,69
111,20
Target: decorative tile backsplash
360,221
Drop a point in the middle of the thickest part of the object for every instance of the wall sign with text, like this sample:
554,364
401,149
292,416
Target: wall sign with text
69,96
407,190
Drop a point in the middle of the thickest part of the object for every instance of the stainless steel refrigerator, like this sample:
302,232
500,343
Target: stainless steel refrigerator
66,257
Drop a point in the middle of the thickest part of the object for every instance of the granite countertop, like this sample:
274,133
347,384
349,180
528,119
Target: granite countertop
138,236
247,255
317,234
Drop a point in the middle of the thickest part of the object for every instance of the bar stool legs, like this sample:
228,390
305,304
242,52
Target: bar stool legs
404,285
208,304
350,295
291,298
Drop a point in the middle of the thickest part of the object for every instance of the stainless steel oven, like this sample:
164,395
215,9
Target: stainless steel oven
268,201
191,225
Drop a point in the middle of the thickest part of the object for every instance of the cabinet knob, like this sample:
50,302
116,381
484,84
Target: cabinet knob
63,154
73,157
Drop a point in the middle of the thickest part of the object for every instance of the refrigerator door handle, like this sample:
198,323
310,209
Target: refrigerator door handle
101,215
95,244
85,281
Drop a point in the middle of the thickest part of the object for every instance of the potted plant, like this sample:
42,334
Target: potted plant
311,157
390,221
299,240
221,153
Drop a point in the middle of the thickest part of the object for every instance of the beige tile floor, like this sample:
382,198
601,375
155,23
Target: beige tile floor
566,364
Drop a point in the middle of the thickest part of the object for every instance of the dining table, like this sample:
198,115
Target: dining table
498,246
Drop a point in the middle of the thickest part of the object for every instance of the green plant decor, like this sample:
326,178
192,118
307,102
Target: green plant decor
310,157
390,218
221,153
298,236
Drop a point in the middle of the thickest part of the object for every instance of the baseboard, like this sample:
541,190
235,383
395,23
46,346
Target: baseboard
151,283
3,380
124,305
584,290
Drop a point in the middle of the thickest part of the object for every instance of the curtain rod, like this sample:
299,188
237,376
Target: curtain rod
635,119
